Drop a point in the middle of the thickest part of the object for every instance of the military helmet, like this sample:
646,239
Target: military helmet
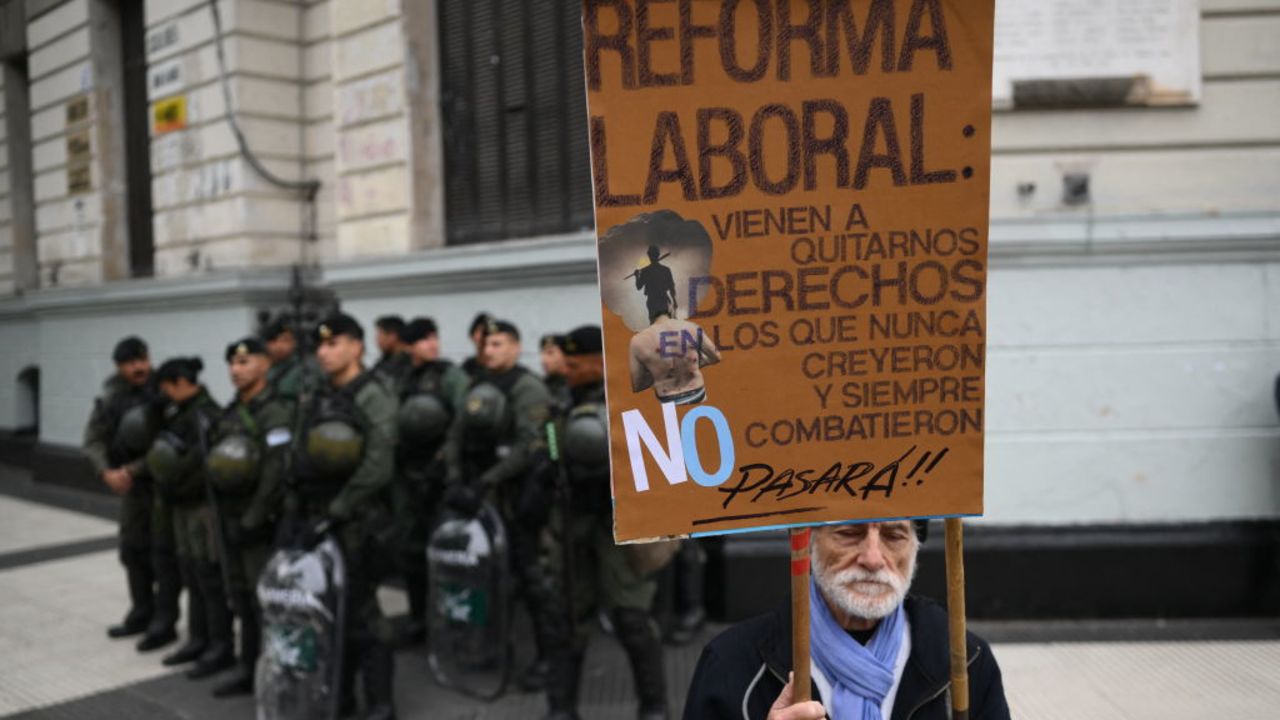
485,410
165,457
135,430
422,418
586,441
334,448
233,462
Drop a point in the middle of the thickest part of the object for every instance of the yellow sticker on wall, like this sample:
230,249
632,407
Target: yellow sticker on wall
169,114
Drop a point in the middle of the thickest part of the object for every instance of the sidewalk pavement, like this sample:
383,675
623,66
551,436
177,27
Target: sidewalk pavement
61,586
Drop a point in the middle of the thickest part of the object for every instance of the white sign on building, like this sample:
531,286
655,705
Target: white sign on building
1155,43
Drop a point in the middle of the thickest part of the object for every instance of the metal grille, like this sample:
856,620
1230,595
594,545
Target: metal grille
514,106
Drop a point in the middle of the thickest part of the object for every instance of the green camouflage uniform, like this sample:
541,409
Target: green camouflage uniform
249,510
182,496
497,464
146,543
420,474
357,503
250,497
105,451
181,489
508,464
286,376
601,575
393,369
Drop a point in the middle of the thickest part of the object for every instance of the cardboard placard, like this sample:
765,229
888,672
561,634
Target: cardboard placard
791,207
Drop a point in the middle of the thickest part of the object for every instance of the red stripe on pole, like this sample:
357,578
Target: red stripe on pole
800,540
799,567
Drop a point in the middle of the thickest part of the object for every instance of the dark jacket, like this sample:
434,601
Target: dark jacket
742,671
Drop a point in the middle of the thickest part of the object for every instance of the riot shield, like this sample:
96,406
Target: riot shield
469,604
303,597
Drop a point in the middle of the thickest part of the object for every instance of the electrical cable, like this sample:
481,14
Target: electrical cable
308,188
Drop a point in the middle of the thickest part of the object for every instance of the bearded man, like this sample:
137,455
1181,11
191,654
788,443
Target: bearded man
877,653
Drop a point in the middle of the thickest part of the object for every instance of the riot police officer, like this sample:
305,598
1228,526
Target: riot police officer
588,570
177,462
287,369
497,450
246,460
430,397
342,478
116,439
474,365
551,354
394,363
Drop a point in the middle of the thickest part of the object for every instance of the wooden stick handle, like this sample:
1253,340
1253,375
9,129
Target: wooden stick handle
800,614
956,617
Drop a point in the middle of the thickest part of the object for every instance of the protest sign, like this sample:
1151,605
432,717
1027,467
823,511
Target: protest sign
791,207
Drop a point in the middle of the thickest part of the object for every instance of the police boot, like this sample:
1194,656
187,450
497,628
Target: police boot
241,680
376,669
347,682
534,678
220,653
644,649
691,614
137,568
164,620
562,686
415,584
197,620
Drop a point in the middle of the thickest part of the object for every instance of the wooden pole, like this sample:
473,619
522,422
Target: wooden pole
956,616
800,614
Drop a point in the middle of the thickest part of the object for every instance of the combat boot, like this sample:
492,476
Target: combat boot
415,584
640,639
162,629
220,653
562,685
197,619
690,613
137,568
377,667
241,680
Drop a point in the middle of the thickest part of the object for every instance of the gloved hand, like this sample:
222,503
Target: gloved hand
462,499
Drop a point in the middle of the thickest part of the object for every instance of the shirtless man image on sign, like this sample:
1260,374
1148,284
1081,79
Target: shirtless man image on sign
669,356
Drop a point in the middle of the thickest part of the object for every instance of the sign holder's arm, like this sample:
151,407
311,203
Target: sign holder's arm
800,615
956,618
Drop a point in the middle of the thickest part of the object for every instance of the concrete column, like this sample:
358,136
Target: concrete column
426,151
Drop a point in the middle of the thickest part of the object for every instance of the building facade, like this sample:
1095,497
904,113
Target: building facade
428,157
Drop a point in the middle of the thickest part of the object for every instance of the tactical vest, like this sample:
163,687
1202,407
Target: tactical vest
333,443
133,419
425,412
179,436
235,459
584,450
486,415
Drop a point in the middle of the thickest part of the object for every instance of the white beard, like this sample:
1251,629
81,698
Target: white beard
863,594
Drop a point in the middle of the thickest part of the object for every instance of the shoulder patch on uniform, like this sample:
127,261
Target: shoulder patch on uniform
278,436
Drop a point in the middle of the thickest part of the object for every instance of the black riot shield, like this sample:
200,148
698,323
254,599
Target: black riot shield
469,604
303,598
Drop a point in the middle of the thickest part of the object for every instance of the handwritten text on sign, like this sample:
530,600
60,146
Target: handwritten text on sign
791,201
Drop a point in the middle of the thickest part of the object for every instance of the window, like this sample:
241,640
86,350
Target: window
514,108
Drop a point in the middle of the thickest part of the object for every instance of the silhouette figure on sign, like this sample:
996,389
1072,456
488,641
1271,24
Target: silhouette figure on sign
658,285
